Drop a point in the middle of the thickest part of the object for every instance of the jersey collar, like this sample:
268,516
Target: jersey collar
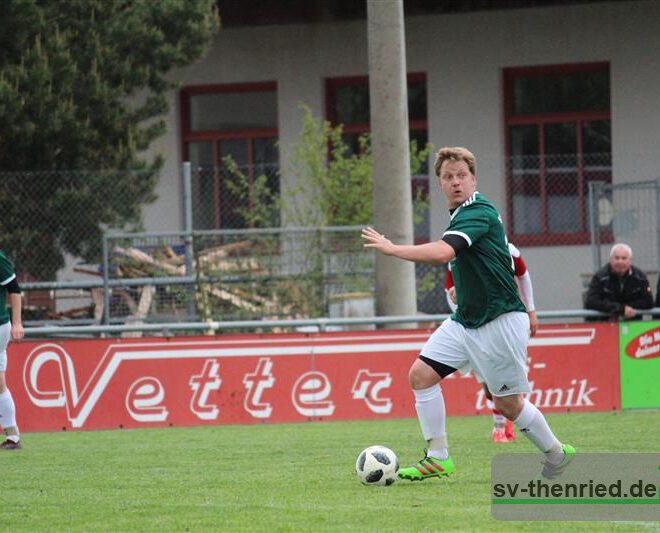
467,202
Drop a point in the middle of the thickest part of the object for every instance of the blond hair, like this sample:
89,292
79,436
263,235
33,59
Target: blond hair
456,153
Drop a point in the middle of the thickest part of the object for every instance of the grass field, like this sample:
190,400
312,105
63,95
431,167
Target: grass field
289,477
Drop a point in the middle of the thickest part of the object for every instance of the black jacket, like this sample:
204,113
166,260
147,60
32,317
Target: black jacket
609,293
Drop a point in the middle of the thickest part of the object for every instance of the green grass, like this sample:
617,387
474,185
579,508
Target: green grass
287,477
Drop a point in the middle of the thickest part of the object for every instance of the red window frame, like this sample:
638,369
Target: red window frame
248,134
545,238
332,84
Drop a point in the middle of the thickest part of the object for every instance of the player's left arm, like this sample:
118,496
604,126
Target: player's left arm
450,290
430,252
524,283
526,292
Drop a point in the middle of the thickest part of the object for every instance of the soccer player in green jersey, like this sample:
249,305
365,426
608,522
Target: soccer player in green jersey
9,329
489,331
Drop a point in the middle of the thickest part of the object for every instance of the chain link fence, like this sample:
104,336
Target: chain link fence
51,214
550,193
75,269
250,274
253,274
235,197
246,272
53,219
629,213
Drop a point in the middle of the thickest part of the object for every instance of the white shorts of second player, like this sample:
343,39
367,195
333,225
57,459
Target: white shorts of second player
5,335
497,351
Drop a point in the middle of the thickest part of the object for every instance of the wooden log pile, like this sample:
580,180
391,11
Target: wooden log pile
234,258
239,258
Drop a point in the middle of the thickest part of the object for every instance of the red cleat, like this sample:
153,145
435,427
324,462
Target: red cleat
499,435
509,431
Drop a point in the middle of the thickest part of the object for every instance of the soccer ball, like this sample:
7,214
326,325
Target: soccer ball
377,465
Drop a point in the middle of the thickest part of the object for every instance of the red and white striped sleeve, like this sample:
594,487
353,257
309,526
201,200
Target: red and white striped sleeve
449,284
523,279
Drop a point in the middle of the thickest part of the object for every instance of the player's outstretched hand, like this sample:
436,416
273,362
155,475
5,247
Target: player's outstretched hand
373,239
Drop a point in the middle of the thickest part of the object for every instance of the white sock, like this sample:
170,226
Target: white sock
533,425
7,411
499,420
430,406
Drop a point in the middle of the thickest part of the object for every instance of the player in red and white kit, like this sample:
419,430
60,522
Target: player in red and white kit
503,429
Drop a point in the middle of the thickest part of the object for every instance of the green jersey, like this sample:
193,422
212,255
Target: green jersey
7,274
483,272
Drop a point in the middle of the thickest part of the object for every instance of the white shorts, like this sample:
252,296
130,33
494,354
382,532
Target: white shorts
5,335
497,351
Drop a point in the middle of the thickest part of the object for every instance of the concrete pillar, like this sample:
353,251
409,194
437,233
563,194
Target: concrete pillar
395,278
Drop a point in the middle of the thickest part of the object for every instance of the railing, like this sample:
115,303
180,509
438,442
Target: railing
222,275
310,325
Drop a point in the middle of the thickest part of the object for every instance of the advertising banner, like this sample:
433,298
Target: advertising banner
571,368
242,379
640,364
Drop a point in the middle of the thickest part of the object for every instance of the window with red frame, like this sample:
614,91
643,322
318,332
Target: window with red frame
558,139
237,120
347,103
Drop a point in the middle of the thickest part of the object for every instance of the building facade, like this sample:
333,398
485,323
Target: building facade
548,98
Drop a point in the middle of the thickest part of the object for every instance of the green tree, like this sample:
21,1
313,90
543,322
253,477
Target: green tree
257,204
333,187
83,88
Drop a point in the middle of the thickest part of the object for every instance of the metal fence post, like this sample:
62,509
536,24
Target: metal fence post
188,237
594,224
106,281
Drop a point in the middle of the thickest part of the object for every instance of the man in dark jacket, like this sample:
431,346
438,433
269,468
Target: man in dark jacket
619,288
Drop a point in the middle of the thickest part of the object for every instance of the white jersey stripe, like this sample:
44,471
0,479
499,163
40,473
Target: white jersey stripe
8,279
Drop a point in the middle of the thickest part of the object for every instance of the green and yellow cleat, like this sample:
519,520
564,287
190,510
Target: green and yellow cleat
551,471
427,468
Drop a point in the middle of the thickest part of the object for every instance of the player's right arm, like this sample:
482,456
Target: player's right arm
17,331
9,284
464,229
430,252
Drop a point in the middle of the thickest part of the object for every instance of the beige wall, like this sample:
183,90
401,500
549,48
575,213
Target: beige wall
463,56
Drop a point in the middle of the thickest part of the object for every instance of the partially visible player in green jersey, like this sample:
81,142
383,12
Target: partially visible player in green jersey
11,327
483,272
489,332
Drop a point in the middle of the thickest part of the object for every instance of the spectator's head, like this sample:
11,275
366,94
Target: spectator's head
620,259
